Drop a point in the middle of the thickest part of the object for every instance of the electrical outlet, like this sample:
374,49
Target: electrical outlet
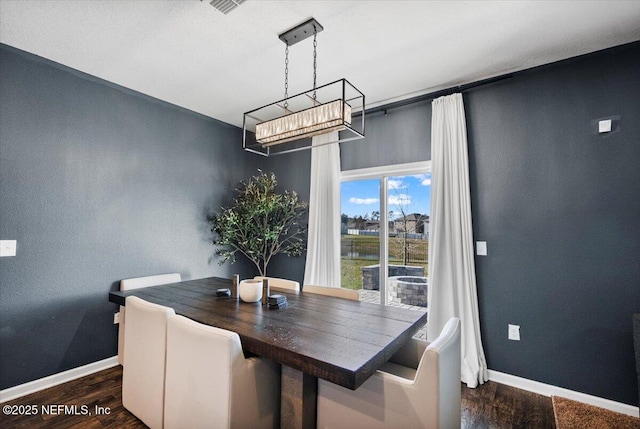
116,318
514,332
481,248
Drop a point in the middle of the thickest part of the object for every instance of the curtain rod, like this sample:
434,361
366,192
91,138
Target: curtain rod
436,94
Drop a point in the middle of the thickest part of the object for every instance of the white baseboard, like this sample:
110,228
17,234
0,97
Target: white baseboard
550,390
55,379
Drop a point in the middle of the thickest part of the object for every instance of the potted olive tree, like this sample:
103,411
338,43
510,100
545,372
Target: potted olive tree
260,224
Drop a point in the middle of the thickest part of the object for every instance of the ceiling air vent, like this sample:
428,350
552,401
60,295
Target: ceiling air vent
226,6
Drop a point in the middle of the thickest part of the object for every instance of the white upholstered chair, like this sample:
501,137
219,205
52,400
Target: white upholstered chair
282,284
332,291
210,384
137,283
144,357
418,388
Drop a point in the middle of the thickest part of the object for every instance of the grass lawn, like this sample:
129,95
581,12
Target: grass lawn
351,273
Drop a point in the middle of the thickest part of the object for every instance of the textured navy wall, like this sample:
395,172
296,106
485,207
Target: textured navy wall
401,135
97,183
559,207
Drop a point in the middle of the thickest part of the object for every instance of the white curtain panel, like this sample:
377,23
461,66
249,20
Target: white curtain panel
322,266
452,275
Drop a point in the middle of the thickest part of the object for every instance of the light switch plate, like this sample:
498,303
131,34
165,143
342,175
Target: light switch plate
481,248
8,247
604,126
514,332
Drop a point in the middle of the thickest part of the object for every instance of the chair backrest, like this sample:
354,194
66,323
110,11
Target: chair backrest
144,356
200,364
157,280
137,283
441,362
285,284
332,291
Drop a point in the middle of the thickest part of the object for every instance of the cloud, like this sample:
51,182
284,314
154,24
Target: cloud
395,184
400,199
354,200
425,179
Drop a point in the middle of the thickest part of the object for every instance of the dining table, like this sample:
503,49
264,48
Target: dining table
315,336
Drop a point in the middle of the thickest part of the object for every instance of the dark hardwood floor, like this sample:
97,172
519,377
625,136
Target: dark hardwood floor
95,401
494,405
103,389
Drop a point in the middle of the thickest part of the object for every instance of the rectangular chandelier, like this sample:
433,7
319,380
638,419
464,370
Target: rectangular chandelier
288,125
332,116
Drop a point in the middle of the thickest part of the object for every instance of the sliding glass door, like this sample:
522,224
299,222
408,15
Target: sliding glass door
385,225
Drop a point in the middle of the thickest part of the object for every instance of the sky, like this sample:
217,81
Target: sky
360,197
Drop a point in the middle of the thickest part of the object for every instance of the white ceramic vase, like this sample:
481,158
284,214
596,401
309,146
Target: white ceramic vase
250,290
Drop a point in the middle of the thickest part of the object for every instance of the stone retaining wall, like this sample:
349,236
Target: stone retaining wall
371,274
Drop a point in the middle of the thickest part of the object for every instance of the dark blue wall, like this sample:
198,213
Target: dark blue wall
396,136
97,183
559,207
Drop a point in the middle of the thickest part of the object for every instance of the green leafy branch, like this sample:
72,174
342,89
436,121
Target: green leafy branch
261,223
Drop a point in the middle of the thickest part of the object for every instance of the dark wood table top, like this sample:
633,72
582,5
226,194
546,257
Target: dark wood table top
335,339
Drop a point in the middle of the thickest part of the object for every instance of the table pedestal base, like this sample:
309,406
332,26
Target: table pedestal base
298,402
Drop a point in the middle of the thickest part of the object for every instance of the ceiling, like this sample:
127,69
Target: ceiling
189,54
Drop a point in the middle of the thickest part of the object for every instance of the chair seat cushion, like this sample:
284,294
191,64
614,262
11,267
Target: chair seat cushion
399,370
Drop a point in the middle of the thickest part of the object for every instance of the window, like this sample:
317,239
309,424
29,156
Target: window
385,227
